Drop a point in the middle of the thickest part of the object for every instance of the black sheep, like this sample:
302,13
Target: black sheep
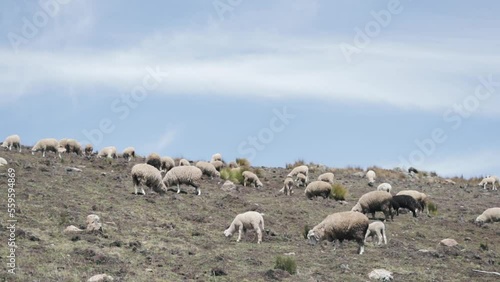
406,202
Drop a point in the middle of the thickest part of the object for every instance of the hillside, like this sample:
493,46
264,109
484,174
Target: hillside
179,237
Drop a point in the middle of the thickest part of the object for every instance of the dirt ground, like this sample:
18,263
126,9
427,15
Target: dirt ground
179,237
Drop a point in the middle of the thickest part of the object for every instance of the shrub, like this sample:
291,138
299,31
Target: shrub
243,162
433,208
338,192
234,175
286,263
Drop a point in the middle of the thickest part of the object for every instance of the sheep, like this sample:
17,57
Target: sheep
154,160
371,177
287,186
129,153
216,157
218,165
406,202
208,169
89,150
167,163
327,177
375,201
489,215
46,144
12,141
385,187
107,152
301,180
300,169
318,188
3,162
244,221
421,198
341,226
252,178
148,175
489,180
233,165
189,175
70,146
412,170
376,228
184,162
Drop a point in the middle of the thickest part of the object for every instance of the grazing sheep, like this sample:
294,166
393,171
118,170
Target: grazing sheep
385,187
287,186
148,175
189,175
406,202
327,177
12,141
129,153
218,165
89,150
421,198
412,170
47,144
167,163
374,201
318,188
154,160
216,157
244,221
341,226
301,180
233,165
489,215
489,180
3,162
184,162
371,177
107,152
300,169
208,169
376,228
70,146
252,178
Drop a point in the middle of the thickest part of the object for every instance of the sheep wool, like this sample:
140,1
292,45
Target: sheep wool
489,215
154,160
385,187
301,180
318,188
300,169
376,228
167,163
129,153
89,149
46,144
489,180
217,164
107,152
70,146
375,201
216,157
184,162
341,226
188,175
12,141
3,162
208,169
248,220
251,178
145,174
327,177
371,176
287,186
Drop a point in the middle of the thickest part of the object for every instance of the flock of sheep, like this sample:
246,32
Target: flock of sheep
161,173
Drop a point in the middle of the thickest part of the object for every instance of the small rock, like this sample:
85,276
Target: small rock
73,169
448,242
103,174
72,229
149,270
93,223
381,275
100,278
289,254
228,186
467,239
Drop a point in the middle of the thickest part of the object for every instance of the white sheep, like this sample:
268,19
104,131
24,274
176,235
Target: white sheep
288,186
148,175
341,226
301,180
376,228
371,177
244,221
189,175
12,141
46,144
233,165
70,146
218,165
184,162
154,159
3,162
167,163
489,215
375,201
129,153
89,150
327,177
208,169
300,169
385,187
216,157
251,178
421,198
318,188
489,180
107,152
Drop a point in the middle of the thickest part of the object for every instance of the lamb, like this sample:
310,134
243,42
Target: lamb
318,188
216,157
218,165
375,201
154,160
244,221
301,180
385,187
287,186
70,146
327,177
421,198
341,226
233,165
3,162
489,180
189,175
148,175
12,141
184,162
167,163
107,152
46,144
252,178
406,202
300,169
376,228
89,150
129,153
371,177
489,215
208,169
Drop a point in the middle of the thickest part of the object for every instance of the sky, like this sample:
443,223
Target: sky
341,83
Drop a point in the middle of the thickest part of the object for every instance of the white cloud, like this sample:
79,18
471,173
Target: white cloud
162,142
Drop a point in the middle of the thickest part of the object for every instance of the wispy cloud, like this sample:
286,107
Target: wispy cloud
161,142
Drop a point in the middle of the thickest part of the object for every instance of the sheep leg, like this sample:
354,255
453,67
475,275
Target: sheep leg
259,234
368,233
178,188
240,231
43,153
379,237
383,234
361,248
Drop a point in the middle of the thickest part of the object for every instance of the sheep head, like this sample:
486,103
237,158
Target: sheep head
314,236
357,208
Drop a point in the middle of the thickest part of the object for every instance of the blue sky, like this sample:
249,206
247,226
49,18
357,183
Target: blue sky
360,83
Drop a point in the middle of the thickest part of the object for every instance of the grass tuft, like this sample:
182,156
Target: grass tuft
338,192
234,175
243,162
286,263
433,208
